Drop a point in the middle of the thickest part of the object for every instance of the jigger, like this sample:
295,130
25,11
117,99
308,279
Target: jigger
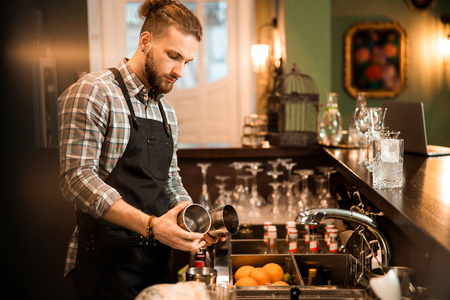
194,218
224,220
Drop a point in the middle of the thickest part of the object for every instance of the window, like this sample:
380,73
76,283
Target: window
215,88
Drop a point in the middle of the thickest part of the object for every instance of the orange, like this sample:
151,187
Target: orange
246,281
243,272
260,275
275,272
280,283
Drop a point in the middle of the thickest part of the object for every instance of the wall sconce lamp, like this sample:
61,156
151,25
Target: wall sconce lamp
445,42
261,52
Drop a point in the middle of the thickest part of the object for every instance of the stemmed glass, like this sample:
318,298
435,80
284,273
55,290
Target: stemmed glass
204,196
221,199
277,198
291,201
255,198
327,171
238,190
376,123
321,191
274,174
305,193
361,117
289,166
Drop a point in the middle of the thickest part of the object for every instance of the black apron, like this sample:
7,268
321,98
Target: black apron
114,262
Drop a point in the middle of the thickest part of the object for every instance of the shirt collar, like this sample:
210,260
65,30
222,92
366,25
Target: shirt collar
134,85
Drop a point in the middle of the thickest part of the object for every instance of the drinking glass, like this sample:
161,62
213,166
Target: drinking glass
362,116
204,196
388,163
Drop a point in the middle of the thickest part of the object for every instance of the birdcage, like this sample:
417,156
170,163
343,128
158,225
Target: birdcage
292,110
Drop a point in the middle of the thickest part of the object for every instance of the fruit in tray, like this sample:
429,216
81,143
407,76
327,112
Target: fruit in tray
269,274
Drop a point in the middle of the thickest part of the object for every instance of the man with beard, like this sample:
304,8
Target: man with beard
118,164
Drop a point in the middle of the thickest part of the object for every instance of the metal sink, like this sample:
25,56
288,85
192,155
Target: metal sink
336,271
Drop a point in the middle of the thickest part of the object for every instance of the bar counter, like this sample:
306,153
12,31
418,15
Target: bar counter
417,216
418,213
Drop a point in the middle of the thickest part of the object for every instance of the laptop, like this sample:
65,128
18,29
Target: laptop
409,119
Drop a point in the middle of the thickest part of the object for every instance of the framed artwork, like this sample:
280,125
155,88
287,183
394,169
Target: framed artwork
421,5
375,59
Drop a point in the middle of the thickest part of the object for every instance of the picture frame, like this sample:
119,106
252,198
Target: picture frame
421,6
375,59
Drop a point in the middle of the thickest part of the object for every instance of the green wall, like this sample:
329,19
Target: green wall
314,35
308,40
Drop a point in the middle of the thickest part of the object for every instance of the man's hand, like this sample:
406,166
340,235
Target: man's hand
167,231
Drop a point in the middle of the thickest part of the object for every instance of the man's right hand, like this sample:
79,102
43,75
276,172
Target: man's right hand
167,231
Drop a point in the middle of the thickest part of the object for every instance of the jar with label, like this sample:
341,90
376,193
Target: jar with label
289,225
266,231
307,234
313,239
334,242
272,242
293,240
327,233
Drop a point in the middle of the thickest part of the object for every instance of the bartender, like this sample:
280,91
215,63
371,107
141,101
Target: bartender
118,165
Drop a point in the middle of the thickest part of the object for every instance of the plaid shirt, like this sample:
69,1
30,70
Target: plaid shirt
94,130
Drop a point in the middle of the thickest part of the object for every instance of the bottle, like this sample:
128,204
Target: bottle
289,225
353,133
272,243
266,231
331,122
293,240
334,242
307,234
327,233
313,239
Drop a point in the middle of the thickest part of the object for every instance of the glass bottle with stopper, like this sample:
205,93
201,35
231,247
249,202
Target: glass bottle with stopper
331,122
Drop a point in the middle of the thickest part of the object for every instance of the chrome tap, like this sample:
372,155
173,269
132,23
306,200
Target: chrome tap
313,216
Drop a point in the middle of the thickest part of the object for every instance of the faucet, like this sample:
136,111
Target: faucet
313,216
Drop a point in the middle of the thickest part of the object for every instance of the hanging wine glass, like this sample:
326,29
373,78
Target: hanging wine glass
278,207
239,182
291,201
306,195
274,174
204,196
321,191
256,199
221,199
327,171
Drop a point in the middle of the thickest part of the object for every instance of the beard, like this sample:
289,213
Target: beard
154,78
